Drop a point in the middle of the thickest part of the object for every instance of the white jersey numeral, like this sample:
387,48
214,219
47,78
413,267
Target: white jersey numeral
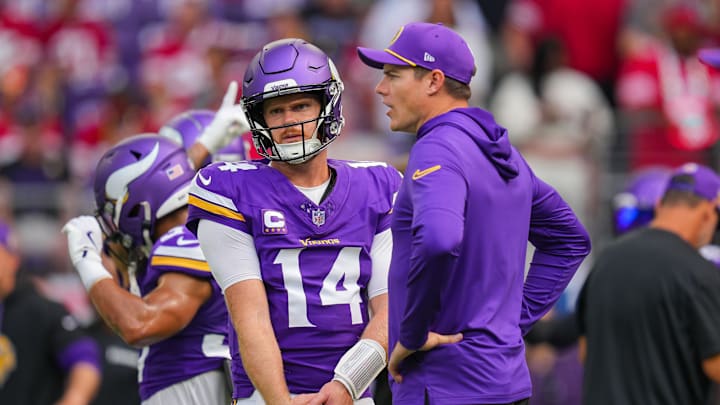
141,362
346,265
235,166
363,164
289,261
213,346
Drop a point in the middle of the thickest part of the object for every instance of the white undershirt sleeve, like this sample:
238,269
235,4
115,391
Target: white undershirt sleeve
230,253
380,254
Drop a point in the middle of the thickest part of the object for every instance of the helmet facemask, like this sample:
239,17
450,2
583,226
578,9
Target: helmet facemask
262,83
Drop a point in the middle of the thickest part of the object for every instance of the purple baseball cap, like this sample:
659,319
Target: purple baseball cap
710,57
698,179
431,46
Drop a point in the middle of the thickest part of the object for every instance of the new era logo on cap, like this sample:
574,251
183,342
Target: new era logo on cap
428,57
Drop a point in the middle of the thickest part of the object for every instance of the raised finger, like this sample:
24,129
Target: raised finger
230,94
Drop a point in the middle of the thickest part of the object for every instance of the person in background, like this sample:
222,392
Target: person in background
207,135
45,358
166,301
648,309
185,129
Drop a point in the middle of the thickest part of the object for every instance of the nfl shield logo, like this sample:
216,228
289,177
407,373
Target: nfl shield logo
318,217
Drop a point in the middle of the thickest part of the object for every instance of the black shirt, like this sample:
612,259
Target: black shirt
37,330
650,311
119,363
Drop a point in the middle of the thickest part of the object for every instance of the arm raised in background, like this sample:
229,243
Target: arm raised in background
229,122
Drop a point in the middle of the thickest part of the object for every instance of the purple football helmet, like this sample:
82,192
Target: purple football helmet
635,205
137,182
291,66
186,127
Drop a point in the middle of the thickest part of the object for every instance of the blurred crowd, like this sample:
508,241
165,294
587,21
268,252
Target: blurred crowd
591,92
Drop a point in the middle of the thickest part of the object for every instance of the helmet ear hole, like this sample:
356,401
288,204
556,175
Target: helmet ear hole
134,211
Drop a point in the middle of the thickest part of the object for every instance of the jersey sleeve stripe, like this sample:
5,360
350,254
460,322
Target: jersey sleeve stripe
180,262
215,198
215,209
194,252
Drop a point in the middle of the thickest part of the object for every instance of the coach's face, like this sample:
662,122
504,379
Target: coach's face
402,93
711,216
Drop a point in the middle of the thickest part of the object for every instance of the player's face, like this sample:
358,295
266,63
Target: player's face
9,264
709,223
291,109
401,93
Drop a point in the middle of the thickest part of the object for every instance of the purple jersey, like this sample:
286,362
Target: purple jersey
463,217
202,345
315,259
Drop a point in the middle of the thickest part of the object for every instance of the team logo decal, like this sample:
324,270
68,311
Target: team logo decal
318,216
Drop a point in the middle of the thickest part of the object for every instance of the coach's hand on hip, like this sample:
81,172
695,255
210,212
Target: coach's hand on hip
400,352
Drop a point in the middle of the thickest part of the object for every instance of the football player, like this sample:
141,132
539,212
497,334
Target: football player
301,246
208,135
168,303
187,127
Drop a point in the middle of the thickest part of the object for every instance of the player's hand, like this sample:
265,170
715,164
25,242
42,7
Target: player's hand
84,244
229,122
332,393
400,352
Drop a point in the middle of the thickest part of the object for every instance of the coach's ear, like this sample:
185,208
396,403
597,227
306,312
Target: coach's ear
435,80
582,349
711,367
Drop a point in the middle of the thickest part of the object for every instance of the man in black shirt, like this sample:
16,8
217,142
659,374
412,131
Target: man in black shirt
44,356
650,309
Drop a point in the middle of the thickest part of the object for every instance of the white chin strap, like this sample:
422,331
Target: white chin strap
293,152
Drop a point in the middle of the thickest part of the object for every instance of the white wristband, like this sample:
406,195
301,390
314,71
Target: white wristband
91,272
359,366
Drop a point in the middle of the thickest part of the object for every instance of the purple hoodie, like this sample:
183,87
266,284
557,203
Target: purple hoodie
466,209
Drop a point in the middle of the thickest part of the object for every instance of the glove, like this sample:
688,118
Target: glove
84,244
229,122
